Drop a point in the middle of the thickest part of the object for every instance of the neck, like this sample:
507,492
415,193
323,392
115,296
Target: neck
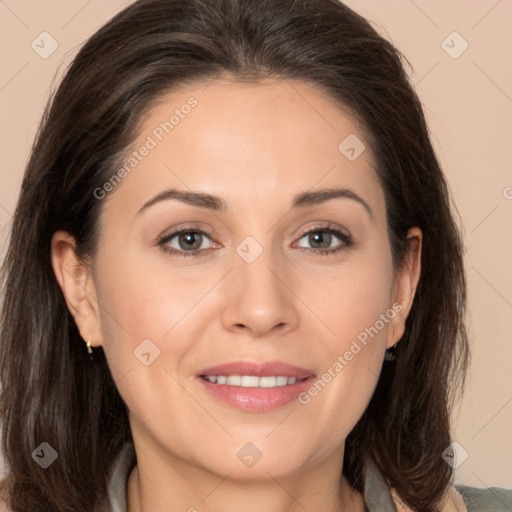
223,495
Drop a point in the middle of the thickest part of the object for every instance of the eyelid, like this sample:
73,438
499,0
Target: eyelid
323,225
183,228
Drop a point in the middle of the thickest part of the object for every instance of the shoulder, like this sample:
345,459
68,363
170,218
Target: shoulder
120,471
492,499
462,498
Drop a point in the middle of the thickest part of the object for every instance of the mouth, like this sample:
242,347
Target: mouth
253,386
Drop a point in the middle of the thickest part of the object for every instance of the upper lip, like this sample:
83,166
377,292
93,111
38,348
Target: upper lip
259,369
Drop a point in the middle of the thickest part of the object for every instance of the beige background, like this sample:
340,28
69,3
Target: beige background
468,101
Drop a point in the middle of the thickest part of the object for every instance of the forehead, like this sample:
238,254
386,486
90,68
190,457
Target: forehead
247,143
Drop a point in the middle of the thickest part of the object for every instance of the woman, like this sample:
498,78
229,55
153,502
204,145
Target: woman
234,279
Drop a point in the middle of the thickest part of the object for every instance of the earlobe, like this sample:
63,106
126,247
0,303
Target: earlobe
75,280
407,278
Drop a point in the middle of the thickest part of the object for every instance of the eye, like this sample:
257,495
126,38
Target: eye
192,241
321,239
185,242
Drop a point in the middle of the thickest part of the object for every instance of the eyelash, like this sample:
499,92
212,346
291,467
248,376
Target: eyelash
345,239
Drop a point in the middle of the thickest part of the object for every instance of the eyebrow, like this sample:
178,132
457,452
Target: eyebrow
216,204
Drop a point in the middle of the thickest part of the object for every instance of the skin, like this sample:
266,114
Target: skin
256,147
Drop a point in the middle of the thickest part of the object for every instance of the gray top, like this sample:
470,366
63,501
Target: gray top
376,492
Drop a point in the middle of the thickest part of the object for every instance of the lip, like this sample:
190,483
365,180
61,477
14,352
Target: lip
256,399
264,369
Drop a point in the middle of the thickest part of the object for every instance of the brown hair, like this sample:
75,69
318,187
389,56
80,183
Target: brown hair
49,392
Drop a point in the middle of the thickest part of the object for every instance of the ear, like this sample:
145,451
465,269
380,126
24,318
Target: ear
76,282
404,290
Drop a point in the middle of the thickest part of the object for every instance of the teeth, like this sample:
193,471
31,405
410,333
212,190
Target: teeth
251,381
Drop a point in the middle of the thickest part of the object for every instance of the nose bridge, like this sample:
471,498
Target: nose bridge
257,269
259,297
257,266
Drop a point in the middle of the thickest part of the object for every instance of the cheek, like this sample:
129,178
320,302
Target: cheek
139,310
354,296
142,316
151,318
356,305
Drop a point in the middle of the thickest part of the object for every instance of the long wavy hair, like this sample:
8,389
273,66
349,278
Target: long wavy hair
49,390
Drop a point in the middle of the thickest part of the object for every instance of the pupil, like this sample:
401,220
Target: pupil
322,238
188,238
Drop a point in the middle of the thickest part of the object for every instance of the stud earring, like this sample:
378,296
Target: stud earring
89,349
389,355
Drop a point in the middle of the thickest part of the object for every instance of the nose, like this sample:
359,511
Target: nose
260,298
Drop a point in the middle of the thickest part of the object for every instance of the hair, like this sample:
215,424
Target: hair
49,390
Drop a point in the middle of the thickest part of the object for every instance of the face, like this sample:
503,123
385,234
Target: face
288,285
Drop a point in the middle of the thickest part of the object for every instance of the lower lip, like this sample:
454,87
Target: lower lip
256,399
